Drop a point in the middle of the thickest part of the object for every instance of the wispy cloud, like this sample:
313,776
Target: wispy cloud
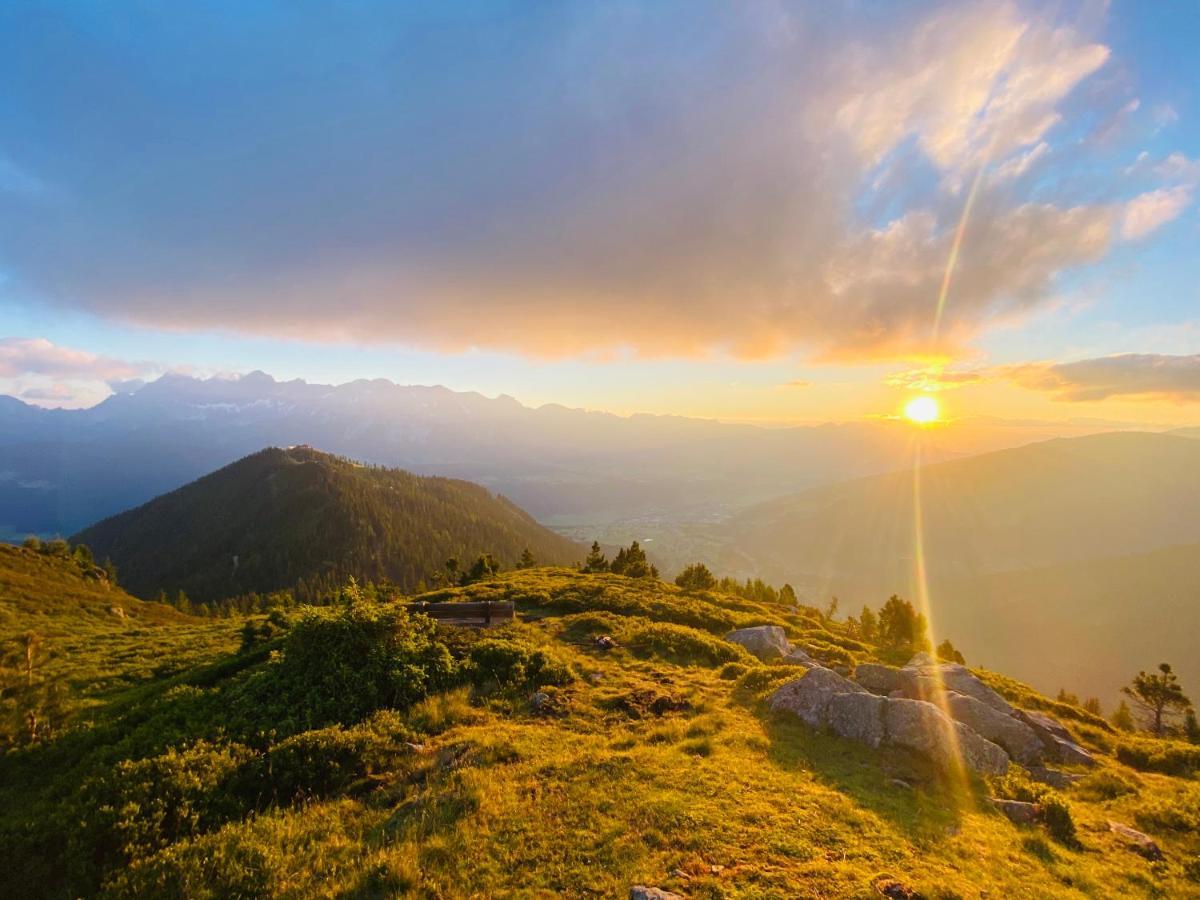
38,356
1136,375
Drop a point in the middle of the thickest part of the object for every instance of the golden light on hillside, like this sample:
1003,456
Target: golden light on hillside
922,410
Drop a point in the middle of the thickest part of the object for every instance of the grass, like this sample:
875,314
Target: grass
655,764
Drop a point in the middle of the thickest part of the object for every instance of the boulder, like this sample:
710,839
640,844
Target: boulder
858,717
798,657
1053,777
1021,741
641,892
1017,811
767,642
920,660
927,682
1136,841
923,727
1059,743
808,696
878,679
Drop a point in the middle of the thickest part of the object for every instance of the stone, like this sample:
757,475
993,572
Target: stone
808,696
1017,811
878,679
767,642
1136,841
923,727
604,642
920,660
540,701
1021,741
641,892
858,717
1059,743
1053,777
927,682
799,658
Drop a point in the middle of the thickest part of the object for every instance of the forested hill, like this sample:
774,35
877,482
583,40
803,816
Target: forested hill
299,518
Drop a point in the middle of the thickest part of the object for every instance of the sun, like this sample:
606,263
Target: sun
922,410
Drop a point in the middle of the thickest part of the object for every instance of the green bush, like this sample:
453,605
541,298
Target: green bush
683,645
341,665
1179,813
141,806
581,626
1105,786
327,761
504,662
733,671
758,680
1056,816
1167,757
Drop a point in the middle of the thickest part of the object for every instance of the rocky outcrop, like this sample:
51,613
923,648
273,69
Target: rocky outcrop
928,682
1053,777
1136,841
1017,811
878,679
1008,731
808,697
822,698
767,642
923,727
1058,743
799,658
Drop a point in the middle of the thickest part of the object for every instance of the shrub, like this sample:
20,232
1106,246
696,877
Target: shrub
683,645
511,662
342,665
589,624
1056,816
1105,786
733,671
141,806
759,679
1181,812
1167,757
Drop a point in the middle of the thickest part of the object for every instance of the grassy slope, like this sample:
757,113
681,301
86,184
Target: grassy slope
715,798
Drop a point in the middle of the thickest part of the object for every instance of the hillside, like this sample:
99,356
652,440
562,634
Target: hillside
380,756
282,518
1022,547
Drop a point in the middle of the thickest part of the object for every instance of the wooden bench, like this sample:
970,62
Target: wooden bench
481,614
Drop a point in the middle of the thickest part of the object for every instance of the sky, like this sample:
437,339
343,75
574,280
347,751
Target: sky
770,212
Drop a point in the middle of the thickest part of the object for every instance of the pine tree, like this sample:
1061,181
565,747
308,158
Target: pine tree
1159,697
787,595
526,561
1122,718
868,625
900,625
696,577
596,560
947,652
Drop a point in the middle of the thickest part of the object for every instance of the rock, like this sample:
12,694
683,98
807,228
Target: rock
767,642
641,892
1017,811
1053,777
1059,743
892,889
927,682
923,727
604,642
878,679
1136,841
799,658
118,611
920,660
858,717
1021,741
808,696
540,701
900,783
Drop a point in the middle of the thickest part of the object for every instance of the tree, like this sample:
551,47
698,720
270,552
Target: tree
868,625
831,609
1159,697
900,625
1191,728
632,563
947,652
526,561
451,567
696,577
596,560
1065,697
1092,705
483,567
787,595
1122,718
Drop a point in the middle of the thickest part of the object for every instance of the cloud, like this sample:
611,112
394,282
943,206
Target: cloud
38,356
1148,212
934,378
797,383
554,180
1137,375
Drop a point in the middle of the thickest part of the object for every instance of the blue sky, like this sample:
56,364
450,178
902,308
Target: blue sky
743,211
